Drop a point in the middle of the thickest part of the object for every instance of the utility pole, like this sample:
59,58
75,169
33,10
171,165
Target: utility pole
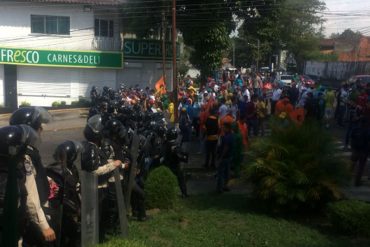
258,53
174,52
163,38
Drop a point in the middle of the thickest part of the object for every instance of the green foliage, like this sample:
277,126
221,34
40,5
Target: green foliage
161,189
347,36
283,25
55,104
204,24
227,221
122,242
209,45
25,103
63,103
350,216
296,167
82,102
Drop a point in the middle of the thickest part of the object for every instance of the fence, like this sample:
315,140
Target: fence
336,70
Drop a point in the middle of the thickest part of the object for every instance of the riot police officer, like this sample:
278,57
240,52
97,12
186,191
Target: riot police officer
37,186
66,201
92,161
13,177
173,156
118,136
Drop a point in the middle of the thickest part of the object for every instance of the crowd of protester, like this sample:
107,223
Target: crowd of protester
226,115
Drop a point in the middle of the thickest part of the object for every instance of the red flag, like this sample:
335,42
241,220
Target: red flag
160,86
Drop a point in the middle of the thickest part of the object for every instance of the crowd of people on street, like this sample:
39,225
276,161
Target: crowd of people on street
131,131
235,109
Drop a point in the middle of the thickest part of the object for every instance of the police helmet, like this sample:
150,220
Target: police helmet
115,129
161,130
32,116
70,149
93,128
171,134
15,139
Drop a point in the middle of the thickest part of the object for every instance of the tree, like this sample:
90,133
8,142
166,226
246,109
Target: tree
347,38
144,18
204,24
284,24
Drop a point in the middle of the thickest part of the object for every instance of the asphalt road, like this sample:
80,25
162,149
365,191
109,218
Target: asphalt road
51,139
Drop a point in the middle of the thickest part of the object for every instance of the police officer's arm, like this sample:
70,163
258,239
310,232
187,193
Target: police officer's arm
33,205
110,166
34,209
91,162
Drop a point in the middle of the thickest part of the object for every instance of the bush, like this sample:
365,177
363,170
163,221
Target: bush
55,104
350,216
25,103
122,242
161,189
296,167
84,102
63,103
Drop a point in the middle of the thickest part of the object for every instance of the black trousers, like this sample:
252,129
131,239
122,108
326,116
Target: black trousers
177,171
138,201
211,148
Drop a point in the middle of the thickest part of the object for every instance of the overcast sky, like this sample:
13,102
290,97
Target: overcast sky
358,18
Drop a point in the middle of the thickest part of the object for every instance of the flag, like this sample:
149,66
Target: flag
160,86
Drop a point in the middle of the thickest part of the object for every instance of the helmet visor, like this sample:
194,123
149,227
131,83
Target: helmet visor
95,123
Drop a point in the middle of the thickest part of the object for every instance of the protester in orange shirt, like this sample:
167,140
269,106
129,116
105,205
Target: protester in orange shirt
228,118
243,128
283,105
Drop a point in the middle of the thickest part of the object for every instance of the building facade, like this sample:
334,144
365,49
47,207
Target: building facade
56,50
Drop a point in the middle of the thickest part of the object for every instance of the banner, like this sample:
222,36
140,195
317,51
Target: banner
50,58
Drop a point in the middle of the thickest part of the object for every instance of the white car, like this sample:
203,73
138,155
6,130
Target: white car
286,80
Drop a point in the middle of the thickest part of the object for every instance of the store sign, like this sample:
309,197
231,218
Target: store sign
147,49
78,59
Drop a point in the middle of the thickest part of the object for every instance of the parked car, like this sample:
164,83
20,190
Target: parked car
360,79
310,80
285,80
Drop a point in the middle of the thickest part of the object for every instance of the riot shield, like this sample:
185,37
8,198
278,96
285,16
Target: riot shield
9,235
89,209
121,204
131,178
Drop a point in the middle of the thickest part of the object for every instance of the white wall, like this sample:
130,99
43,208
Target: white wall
15,26
2,85
42,86
144,73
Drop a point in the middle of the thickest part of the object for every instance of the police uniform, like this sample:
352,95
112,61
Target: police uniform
92,161
37,189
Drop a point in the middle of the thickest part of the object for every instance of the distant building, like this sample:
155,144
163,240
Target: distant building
347,52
